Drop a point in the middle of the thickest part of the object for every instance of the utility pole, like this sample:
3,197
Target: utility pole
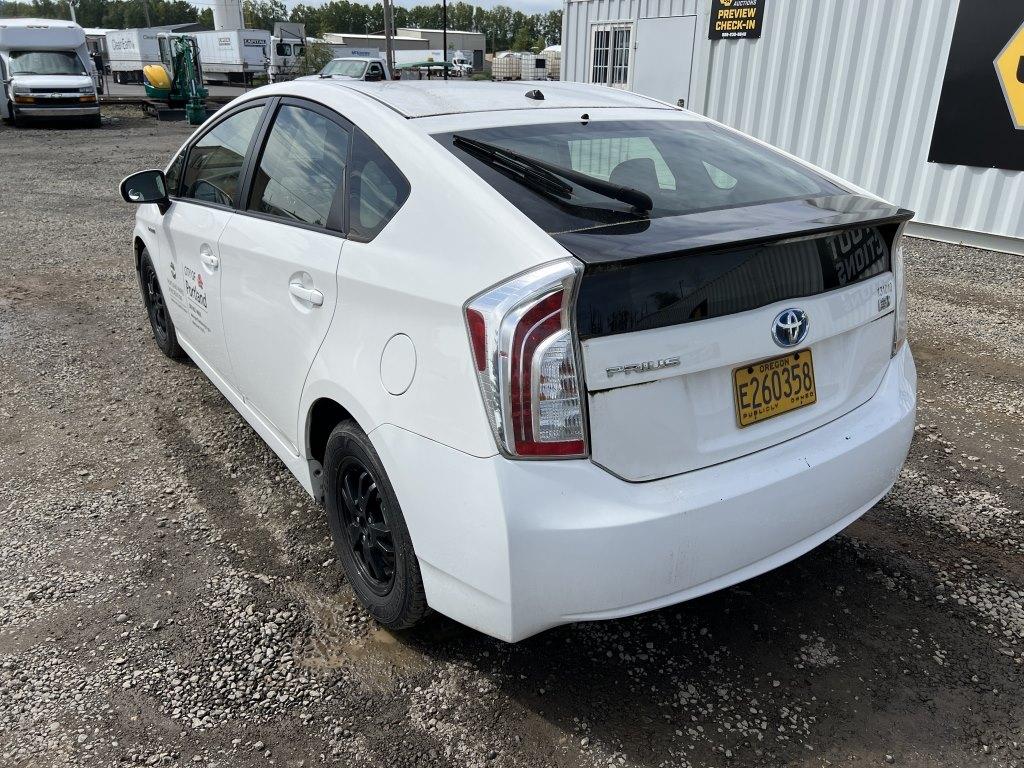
389,32
71,5
145,10
444,35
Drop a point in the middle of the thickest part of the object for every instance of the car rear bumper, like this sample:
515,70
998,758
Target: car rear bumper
514,547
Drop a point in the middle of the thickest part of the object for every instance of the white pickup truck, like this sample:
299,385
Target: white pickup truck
46,71
353,68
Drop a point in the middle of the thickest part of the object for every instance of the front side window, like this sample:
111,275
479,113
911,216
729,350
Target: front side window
46,63
173,174
378,190
214,167
683,166
302,168
284,49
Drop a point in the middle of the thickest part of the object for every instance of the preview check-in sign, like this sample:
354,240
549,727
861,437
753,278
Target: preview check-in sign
736,19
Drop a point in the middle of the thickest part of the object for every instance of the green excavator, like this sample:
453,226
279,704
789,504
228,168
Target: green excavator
179,79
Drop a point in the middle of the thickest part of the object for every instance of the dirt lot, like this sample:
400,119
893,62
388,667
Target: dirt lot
168,595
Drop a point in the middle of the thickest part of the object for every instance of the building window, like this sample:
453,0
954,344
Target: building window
610,54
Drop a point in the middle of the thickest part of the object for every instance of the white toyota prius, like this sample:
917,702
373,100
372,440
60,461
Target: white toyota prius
546,353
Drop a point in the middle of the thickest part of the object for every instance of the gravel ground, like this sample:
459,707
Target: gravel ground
169,596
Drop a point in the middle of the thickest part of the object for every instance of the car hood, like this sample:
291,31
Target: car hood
52,81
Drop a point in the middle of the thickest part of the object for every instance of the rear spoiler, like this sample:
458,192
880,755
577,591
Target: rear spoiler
727,228
679,269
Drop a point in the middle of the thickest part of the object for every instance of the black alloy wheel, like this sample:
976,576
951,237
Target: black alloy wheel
156,307
365,520
155,304
369,530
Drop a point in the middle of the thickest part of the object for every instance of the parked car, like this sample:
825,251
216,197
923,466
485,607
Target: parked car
46,71
545,356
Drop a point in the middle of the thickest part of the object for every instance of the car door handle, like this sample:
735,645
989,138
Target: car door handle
209,259
310,295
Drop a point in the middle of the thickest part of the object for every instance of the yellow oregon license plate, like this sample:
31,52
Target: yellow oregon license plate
773,387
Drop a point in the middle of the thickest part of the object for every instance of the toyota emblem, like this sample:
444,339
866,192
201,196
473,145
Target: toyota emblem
790,327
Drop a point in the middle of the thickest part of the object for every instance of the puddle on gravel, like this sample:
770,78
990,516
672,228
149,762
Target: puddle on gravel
342,636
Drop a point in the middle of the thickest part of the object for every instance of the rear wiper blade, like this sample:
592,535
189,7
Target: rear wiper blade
552,174
527,173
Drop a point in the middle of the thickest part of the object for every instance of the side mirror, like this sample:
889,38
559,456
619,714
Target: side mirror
146,187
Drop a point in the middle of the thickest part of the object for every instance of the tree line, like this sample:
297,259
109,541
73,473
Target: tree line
503,27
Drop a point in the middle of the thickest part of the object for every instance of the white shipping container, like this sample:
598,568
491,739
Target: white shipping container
229,51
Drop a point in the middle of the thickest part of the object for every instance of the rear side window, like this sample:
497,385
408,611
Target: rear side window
214,164
302,168
684,166
377,190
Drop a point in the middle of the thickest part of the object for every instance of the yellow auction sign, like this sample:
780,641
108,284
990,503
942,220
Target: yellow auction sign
1010,66
980,116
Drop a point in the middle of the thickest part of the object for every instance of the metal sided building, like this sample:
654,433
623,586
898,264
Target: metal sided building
920,103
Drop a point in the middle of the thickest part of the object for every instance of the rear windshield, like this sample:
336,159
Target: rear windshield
683,166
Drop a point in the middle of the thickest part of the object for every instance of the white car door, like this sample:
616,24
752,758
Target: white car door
191,229
280,255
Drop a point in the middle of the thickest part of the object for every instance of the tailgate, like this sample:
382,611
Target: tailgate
669,309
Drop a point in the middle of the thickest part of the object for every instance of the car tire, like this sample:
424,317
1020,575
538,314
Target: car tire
164,334
12,119
94,121
369,531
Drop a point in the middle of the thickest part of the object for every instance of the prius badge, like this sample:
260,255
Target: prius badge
644,367
790,327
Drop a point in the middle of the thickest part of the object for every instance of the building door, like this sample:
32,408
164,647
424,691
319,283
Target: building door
663,58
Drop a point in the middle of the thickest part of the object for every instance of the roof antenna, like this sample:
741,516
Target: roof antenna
535,94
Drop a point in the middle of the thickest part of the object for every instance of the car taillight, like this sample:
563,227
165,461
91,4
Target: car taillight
523,349
901,324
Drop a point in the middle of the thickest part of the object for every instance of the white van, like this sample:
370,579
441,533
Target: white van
46,71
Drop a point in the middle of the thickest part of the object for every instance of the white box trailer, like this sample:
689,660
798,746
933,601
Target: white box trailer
416,56
46,71
351,51
129,50
233,54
